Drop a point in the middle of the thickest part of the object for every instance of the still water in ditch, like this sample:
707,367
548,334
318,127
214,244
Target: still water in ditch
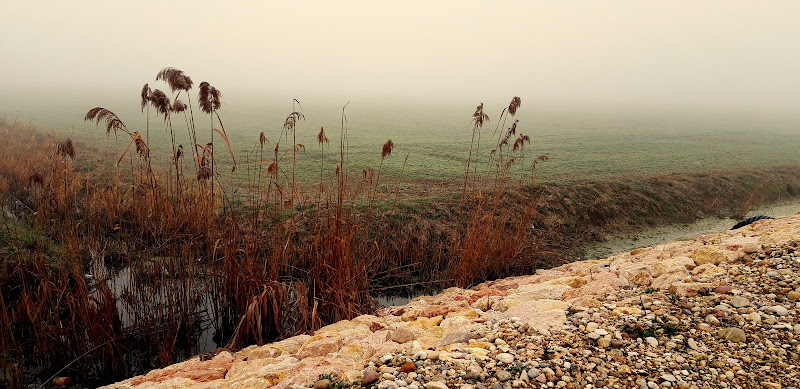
120,284
661,235
614,244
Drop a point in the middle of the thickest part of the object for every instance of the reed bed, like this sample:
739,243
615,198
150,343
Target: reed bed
131,260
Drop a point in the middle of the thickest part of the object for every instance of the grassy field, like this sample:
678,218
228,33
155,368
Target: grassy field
580,143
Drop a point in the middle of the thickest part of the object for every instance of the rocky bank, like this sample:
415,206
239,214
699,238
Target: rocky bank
718,311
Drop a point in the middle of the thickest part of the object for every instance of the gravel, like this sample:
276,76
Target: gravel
735,339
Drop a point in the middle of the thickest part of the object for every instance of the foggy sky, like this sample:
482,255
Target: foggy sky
738,55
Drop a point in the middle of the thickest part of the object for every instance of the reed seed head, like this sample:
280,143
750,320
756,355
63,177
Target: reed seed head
520,142
145,95
321,136
175,78
141,147
210,98
66,149
100,114
178,106
160,102
387,149
262,138
516,102
512,130
291,121
479,117
273,169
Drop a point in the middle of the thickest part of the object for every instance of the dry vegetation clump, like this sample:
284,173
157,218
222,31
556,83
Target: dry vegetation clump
491,234
144,255
48,312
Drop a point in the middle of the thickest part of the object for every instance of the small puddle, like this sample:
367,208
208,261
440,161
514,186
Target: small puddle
661,235
121,282
404,295
206,337
395,301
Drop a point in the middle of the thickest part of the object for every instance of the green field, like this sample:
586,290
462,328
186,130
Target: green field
436,138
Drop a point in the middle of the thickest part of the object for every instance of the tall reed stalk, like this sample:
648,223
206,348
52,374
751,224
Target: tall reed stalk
210,100
478,119
290,125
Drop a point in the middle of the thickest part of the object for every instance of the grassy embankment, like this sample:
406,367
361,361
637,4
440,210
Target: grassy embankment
572,215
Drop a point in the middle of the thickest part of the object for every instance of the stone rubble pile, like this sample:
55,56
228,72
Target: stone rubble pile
718,311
